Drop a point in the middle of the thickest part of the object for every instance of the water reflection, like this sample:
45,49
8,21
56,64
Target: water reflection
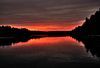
9,41
48,41
48,50
91,44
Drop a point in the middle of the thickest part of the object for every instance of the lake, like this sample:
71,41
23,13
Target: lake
47,51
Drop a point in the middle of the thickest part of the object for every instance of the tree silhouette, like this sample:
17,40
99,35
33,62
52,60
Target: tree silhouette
90,26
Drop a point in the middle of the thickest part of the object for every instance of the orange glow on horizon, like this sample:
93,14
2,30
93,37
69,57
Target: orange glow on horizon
48,28
51,27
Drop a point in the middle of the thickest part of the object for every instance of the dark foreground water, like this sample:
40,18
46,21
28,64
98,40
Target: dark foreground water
49,52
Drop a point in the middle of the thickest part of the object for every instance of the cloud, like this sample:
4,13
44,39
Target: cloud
46,11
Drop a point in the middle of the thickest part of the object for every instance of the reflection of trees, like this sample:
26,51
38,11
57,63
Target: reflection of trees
9,35
91,43
8,41
89,34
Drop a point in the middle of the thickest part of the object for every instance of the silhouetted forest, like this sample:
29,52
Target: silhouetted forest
90,26
8,31
88,33
10,35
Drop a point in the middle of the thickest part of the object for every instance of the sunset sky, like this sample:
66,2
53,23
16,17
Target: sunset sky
46,14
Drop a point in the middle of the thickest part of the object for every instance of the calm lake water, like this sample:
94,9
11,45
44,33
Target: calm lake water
47,50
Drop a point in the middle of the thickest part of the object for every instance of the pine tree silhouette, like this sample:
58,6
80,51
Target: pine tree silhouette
90,26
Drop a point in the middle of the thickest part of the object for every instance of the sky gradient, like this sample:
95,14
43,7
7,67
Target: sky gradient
46,14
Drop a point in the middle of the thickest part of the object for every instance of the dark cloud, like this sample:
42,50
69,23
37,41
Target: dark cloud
69,11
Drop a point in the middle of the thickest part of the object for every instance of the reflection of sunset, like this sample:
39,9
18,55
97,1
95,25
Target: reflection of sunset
48,40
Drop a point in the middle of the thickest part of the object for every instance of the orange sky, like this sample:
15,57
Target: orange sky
46,15
50,27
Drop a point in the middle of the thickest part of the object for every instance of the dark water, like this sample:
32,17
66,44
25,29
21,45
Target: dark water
48,51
